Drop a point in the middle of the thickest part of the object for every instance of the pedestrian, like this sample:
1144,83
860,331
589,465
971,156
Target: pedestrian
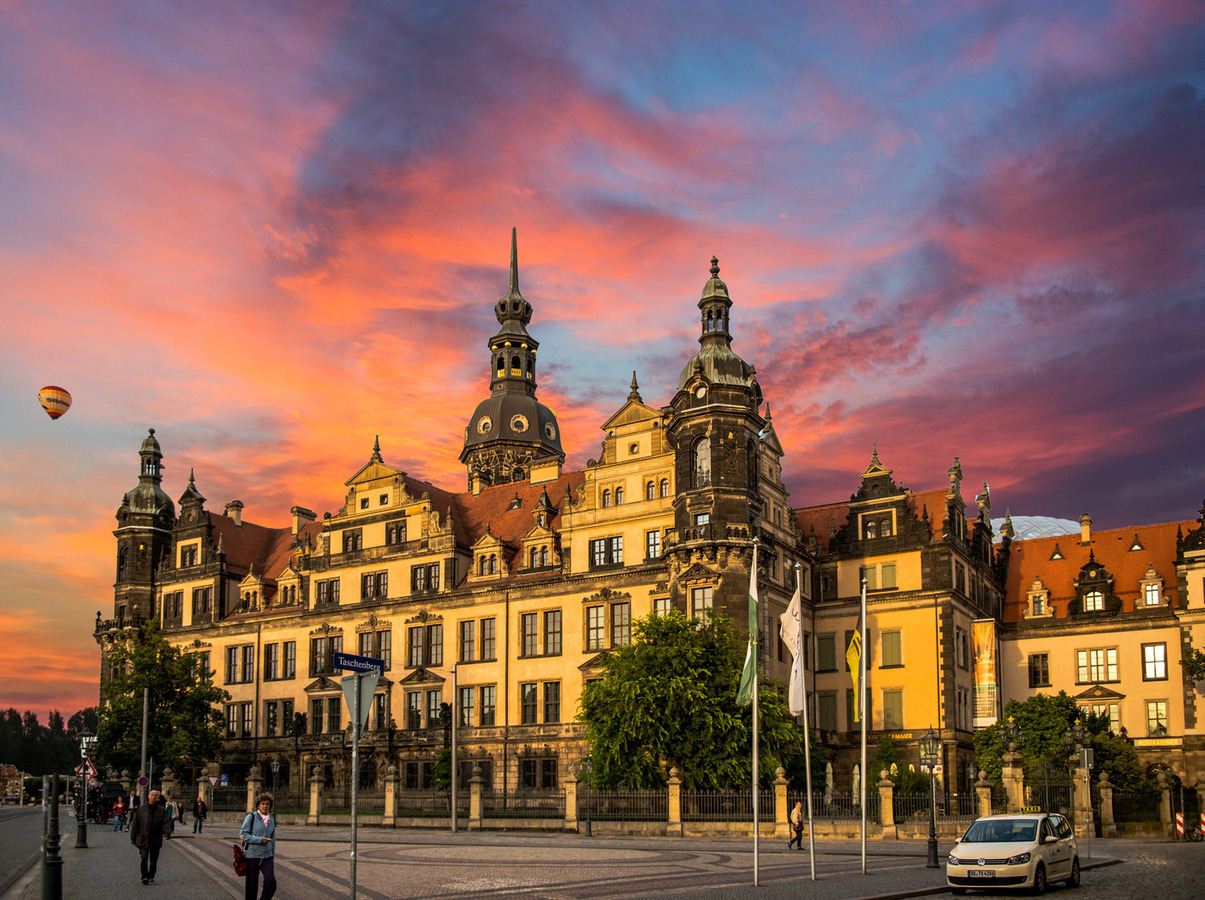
797,825
170,808
148,828
131,807
199,812
259,843
119,814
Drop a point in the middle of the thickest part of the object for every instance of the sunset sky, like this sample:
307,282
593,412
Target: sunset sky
273,231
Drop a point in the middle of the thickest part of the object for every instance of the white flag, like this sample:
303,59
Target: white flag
790,630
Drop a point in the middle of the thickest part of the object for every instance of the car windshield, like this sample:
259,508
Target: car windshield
999,831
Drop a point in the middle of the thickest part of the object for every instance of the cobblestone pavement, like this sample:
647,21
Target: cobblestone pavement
314,863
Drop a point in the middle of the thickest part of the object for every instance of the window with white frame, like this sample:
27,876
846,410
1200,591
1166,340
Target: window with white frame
1156,718
700,600
1094,601
1154,662
1095,666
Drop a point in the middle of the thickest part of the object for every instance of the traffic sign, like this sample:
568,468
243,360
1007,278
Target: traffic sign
213,781
367,685
86,768
363,664
143,781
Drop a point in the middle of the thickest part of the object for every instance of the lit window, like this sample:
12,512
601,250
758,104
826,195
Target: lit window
1154,662
1094,601
1151,594
1156,718
1096,665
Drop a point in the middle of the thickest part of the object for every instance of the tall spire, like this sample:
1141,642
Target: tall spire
514,261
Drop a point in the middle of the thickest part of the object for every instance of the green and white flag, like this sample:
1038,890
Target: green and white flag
744,695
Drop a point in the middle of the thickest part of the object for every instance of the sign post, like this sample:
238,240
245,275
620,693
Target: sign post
358,689
86,740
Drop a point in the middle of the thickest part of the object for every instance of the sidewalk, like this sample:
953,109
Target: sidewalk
192,868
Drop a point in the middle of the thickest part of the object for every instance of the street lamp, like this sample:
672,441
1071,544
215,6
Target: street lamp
588,770
930,754
86,739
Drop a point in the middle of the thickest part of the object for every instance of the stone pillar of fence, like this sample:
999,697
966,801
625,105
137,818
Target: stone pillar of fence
1165,805
782,822
1200,801
315,797
983,794
1108,827
475,799
1081,793
168,785
205,789
390,818
1014,779
674,805
887,805
570,786
255,783
125,779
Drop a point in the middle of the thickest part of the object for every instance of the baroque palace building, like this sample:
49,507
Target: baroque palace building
498,603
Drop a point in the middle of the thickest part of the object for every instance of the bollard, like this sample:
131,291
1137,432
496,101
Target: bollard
52,869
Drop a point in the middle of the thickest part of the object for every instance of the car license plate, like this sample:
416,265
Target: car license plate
981,873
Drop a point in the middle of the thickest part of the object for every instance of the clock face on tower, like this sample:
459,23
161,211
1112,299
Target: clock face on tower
518,424
484,425
700,392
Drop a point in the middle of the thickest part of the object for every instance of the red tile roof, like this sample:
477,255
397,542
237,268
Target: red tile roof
831,516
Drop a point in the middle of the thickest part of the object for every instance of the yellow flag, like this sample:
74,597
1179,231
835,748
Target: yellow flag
853,656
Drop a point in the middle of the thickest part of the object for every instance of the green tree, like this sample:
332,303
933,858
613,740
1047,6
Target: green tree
669,699
441,772
796,765
886,755
184,723
1194,664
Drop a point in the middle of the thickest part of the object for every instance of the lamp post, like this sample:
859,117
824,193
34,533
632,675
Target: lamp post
86,739
930,754
588,770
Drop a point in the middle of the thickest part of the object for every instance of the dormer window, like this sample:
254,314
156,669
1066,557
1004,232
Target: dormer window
871,530
1152,587
885,528
1094,601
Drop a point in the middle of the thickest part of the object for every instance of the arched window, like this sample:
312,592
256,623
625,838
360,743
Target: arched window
481,565
618,496
516,366
121,564
1094,601
607,497
650,491
493,564
702,459
544,556
870,530
535,558
501,365
518,475
885,528
664,487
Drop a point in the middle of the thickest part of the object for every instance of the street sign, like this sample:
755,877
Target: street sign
83,752
1087,757
225,778
367,684
213,781
363,664
143,781
86,768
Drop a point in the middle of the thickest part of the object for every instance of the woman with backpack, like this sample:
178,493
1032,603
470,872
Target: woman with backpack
259,844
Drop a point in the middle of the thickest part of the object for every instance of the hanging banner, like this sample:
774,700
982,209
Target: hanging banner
983,634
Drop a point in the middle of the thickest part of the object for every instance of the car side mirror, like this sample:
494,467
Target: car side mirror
1050,839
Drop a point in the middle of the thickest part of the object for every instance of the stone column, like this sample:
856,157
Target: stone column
983,791
315,797
887,805
205,789
1165,806
1083,802
674,826
782,820
1200,823
127,781
1014,779
390,819
570,786
475,799
1108,828
255,784
168,785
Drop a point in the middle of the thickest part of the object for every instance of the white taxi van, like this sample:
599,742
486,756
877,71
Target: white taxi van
1026,850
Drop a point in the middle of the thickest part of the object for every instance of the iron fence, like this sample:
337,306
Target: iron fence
523,804
1136,806
623,806
726,806
911,805
229,799
999,799
291,802
836,807
424,804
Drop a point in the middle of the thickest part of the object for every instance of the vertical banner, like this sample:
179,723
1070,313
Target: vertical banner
983,633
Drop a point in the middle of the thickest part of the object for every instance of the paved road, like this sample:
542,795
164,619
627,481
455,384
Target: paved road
314,863
20,838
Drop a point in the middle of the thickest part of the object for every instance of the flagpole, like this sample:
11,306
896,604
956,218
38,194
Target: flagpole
807,732
862,703
753,636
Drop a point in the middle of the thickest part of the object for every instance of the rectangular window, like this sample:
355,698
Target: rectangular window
595,627
606,552
467,702
380,712
1109,710
328,593
468,631
435,645
598,553
961,648
288,668
893,654
552,702
322,651
548,774
188,556
204,673
374,586
661,605
377,644
353,539
414,655
1151,594
893,709
248,712
202,603
1094,666
529,773
1156,718
414,710
248,664
1039,670
271,663
334,714
529,629
232,670
529,703
621,624
424,578
826,653
889,575
700,600
488,642
870,576
434,709
552,632
395,534
652,544
231,720
286,717
1154,662
826,710
316,707
488,705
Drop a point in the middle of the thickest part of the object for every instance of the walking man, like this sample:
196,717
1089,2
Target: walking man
147,831
199,811
797,826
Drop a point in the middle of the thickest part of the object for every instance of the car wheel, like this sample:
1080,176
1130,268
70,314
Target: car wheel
1073,881
1039,879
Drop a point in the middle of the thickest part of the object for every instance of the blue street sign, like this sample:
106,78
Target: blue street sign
358,663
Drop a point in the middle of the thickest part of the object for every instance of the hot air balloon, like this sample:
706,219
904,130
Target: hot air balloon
54,400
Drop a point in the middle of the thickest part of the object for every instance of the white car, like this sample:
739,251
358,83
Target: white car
1022,850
